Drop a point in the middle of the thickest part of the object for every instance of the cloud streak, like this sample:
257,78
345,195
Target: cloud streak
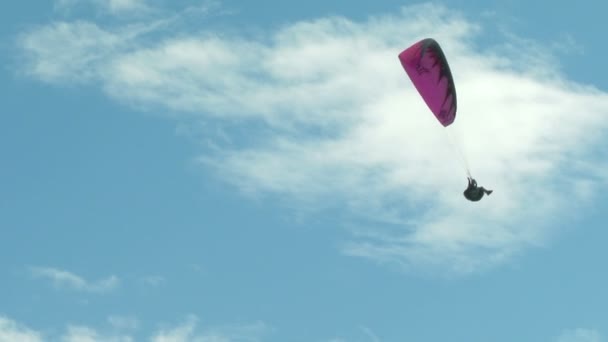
13,331
67,280
76,333
187,331
580,335
319,113
114,7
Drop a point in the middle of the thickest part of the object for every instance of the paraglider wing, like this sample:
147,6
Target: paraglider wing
428,69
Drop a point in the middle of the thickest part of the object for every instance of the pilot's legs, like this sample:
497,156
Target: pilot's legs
487,192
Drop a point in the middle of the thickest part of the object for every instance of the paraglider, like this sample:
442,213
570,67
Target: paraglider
428,69
473,192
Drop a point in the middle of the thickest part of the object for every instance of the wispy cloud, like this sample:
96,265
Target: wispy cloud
123,322
188,331
580,335
77,333
154,280
115,7
67,280
331,121
13,331
369,333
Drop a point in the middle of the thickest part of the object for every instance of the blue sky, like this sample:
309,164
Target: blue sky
265,171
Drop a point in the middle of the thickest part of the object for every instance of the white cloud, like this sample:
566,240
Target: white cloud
188,331
11,331
154,280
340,125
123,322
82,46
180,333
67,280
370,334
367,332
580,335
125,5
115,7
86,334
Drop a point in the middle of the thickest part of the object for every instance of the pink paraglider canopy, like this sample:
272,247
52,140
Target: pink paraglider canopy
428,69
